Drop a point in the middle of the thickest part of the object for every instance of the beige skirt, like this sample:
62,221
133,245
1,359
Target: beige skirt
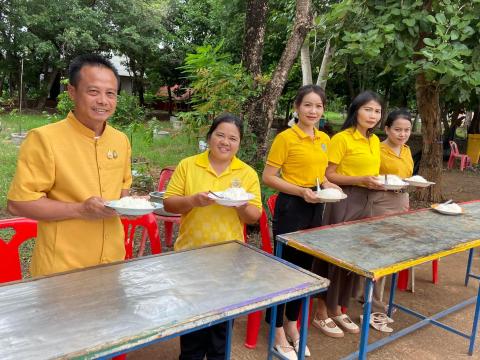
361,203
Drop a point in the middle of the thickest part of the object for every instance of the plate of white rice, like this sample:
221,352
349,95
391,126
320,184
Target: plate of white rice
132,206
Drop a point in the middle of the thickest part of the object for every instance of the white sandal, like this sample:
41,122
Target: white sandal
378,323
324,326
382,317
346,324
290,354
296,345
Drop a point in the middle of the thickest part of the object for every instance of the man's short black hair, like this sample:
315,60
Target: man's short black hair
89,60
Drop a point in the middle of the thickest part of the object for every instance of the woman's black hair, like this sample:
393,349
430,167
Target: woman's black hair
226,118
401,113
360,100
304,91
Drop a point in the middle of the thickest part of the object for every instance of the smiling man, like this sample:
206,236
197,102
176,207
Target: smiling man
67,170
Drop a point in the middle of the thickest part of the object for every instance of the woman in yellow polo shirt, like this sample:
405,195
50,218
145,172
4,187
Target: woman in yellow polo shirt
297,158
203,221
396,159
354,161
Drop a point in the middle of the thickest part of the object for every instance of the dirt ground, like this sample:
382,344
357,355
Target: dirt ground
427,343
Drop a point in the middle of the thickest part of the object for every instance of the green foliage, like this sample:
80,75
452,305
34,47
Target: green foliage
128,110
218,86
64,104
392,34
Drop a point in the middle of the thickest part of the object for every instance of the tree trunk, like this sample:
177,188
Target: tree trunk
474,127
305,61
2,79
43,98
260,110
427,94
255,25
170,101
326,61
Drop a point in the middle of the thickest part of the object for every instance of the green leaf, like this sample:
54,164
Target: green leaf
409,22
431,19
441,18
454,35
429,42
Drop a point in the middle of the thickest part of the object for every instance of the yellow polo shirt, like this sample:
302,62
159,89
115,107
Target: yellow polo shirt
214,223
300,158
63,161
354,154
391,163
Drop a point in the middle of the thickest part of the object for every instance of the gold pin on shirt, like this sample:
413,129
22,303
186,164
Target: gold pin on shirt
110,154
115,154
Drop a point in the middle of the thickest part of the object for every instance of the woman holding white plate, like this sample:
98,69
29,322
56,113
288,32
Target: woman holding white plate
395,159
296,161
203,221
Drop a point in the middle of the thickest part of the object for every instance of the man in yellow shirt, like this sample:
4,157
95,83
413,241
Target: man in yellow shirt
67,170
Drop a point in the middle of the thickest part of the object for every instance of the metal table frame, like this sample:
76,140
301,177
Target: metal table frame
371,277
113,347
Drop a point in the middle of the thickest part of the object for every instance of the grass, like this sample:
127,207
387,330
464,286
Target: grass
158,153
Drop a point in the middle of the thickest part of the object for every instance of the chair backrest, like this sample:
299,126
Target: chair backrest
164,178
454,148
271,201
264,233
149,223
10,262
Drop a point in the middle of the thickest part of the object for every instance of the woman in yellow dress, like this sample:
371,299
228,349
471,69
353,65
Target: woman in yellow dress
354,163
296,161
395,159
203,221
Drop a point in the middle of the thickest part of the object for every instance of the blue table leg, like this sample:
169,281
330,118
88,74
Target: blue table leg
228,345
271,334
393,287
279,249
303,328
362,352
473,335
469,266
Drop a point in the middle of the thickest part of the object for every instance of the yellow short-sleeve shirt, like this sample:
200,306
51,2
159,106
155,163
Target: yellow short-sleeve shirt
214,223
354,154
391,163
64,161
300,158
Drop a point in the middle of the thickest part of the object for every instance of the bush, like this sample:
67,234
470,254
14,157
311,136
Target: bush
128,110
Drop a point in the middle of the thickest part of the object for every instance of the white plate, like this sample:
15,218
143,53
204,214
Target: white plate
419,184
381,180
130,211
395,187
329,200
230,202
445,212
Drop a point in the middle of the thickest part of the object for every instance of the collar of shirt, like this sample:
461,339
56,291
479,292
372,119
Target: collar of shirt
301,134
202,160
82,129
392,152
358,136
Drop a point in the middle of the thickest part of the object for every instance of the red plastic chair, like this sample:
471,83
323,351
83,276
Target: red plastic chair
455,154
150,228
168,221
10,263
255,319
402,282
